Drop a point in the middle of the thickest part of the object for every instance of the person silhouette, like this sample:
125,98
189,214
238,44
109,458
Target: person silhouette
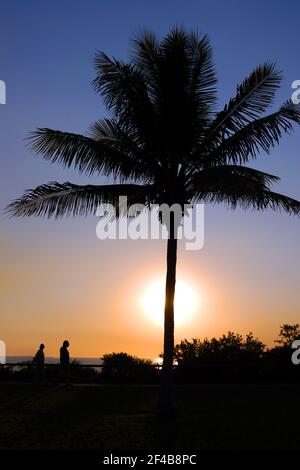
39,361
64,361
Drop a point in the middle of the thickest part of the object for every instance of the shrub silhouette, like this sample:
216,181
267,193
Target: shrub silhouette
230,347
124,368
228,358
288,333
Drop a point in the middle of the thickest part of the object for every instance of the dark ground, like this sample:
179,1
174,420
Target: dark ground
123,417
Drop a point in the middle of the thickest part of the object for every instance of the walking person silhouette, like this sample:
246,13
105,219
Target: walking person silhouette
39,361
64,361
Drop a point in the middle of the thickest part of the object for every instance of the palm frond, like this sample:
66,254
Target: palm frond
184,91
59,199
227,176
247,189
145,54
254,95
203,79
65,148
104,153
261,134
125,93
118,82
256,200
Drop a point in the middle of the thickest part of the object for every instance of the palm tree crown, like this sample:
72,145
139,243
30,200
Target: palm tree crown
165,142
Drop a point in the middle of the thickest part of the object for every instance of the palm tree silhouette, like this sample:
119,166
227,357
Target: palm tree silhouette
166,143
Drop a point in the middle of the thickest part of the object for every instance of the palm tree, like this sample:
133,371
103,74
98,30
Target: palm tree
166,143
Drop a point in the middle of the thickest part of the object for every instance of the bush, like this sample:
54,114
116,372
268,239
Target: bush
230,358
124,368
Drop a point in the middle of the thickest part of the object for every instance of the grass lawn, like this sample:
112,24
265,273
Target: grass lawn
123,417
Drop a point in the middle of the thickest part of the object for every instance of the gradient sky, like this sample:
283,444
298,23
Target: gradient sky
57,280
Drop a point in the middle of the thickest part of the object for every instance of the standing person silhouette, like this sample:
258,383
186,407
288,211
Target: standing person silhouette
64,361
39,361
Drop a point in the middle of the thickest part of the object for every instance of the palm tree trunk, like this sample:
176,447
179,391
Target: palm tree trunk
165,398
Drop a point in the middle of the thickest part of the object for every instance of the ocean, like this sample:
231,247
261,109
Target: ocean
54,360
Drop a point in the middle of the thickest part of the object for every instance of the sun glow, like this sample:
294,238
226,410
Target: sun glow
186,302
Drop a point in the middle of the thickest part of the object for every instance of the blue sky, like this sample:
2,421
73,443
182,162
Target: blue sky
46,52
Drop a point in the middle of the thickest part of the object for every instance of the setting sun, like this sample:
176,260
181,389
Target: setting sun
152,302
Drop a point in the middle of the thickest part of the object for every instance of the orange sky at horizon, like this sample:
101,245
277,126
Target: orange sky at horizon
52,288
